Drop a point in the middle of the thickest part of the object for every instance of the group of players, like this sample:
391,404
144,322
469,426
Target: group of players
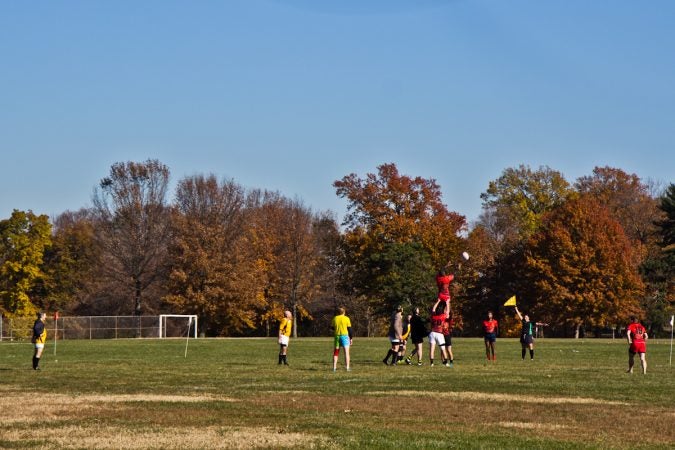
415,328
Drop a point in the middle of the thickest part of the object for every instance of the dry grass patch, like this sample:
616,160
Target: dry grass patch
108,437
532,426
480,396
570,419
29,408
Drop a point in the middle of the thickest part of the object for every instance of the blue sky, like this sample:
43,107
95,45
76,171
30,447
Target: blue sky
291,95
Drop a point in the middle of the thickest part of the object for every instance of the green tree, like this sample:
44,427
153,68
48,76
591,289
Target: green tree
23,240
391,216
520,196
401,275
659,270
579,268
69,269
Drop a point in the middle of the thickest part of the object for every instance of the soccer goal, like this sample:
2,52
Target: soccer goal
177,325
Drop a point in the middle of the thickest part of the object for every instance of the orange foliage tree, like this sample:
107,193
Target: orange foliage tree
214,274
579,269
393,218
628,200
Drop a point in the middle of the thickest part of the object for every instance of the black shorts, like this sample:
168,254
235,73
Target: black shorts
490,337
417,339
448,340
526,339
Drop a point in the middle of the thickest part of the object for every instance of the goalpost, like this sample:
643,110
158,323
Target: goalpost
189,322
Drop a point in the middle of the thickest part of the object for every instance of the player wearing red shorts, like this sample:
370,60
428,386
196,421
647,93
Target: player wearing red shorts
443,281
490,329
637,337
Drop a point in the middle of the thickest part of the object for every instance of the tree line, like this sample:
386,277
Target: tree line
581,256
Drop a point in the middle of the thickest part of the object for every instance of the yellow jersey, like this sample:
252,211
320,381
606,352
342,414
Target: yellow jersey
340,324
285,327
39,332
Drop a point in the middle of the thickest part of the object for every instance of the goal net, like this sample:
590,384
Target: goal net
177,325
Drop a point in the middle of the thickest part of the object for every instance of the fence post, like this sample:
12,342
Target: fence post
90,328
115,327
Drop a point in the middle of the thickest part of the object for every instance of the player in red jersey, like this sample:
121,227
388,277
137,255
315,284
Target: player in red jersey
436,337
448,324
490,327
637,337
443,281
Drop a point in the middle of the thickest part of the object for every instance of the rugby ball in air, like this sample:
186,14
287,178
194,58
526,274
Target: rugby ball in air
465,255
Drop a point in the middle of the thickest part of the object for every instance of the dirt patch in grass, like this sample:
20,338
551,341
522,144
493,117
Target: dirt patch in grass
103,437
566,419
504,397
532,426
21,407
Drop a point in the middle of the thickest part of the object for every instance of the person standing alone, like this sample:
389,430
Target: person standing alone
490,330
637,339
285,328
39,338
342,327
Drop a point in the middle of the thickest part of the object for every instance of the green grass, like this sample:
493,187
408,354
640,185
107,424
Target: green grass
232,393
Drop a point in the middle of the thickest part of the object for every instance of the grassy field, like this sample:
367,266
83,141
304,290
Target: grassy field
230,393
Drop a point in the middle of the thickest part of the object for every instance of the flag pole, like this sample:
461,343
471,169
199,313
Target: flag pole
672,322
56,329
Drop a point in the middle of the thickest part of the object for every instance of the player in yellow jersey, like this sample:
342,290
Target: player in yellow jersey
39,338
285,328
343,337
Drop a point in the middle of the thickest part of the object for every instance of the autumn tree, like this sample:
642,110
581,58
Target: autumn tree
391,216
70,264
629,201
578,268
213,269
133,231
283,233
24,237
513,207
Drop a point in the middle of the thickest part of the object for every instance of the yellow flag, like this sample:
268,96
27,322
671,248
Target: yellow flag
511,301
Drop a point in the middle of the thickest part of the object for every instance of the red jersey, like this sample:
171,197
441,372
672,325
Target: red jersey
490,326
637,332
437,322
448,323
443,283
